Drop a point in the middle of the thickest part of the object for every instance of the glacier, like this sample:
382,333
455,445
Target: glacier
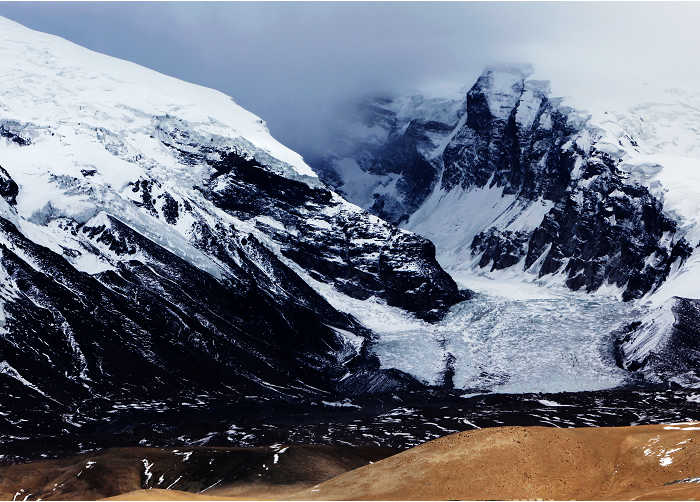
161,253
533,192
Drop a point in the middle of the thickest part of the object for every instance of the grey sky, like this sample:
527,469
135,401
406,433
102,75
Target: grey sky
294,63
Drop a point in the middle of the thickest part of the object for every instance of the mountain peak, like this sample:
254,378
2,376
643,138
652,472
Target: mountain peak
499,87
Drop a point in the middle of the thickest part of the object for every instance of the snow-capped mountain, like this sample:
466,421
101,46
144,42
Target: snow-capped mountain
524,181
519,184
156,241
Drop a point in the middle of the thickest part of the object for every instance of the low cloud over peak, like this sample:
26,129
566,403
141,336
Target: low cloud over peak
298,65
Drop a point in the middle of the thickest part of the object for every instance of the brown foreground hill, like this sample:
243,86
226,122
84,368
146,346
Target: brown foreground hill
183,473
656,462
642,462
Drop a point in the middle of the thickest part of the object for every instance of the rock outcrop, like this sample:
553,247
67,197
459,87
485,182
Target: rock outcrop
664,346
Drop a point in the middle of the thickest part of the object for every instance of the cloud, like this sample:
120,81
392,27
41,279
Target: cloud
296,64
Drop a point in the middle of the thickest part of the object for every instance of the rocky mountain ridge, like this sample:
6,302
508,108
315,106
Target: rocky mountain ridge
524,181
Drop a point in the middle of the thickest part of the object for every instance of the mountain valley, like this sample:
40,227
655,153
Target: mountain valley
173,276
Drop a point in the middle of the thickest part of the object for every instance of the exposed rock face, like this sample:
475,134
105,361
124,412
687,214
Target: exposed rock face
13,131
601,229
665,345
513,137
154,323
500,249
8,188
361,255
617,234
546,192
387,165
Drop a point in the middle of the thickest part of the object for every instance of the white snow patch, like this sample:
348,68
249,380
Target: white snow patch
345,403
452,220
547,402
147,470
8,370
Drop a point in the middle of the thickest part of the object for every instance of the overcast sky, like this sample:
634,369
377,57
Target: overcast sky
293,64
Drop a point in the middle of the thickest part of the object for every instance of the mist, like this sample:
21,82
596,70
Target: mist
297,65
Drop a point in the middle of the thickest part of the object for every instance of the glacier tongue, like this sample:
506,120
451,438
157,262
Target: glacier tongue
514,338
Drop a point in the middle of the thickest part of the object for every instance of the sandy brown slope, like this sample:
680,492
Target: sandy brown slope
242,472
642,462
160,494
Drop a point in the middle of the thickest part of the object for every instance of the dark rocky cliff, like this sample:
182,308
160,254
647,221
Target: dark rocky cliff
602,228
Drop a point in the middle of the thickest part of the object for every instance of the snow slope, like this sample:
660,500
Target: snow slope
95,125
48,79
453,218
659,144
